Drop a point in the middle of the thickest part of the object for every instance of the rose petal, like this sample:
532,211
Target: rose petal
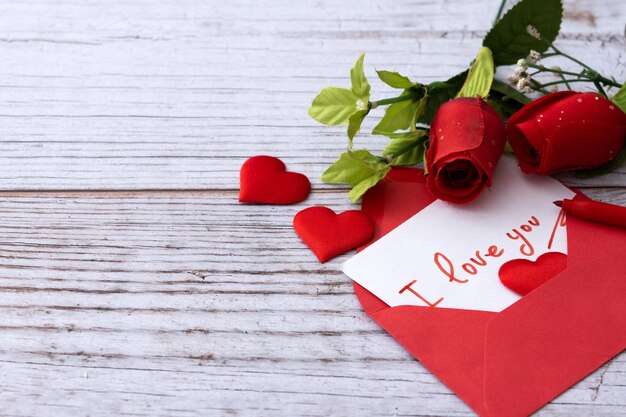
467,139
529,144
448,185
566,130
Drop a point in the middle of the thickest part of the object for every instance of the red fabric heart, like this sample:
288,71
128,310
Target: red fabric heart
328,234
263,179
523,276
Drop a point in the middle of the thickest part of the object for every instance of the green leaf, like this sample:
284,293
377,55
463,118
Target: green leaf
360,189
407,135
359,169
480,76
352,167
509,39
438,93
394,79
505,99
421,108
354,124
620,98
360,86
409,146
503,106
508,91
333,106
402,115
436,98
398,116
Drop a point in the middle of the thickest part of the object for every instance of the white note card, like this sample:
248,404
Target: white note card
448,255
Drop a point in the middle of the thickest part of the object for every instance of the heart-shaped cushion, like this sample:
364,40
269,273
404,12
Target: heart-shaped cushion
523,276
264,179
329,234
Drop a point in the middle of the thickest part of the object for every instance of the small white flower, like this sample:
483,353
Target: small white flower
522,83
513,78
533,57
532,31
520,70
518,74
361,105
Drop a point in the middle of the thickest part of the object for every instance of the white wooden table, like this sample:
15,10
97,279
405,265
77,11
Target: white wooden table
131,280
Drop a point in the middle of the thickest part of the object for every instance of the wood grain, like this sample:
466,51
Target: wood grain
182,303
177,95
131,280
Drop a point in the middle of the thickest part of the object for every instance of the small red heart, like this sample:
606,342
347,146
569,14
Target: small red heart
263,179
523,276
328,234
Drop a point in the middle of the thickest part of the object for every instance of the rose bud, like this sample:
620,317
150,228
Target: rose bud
466,141
565,131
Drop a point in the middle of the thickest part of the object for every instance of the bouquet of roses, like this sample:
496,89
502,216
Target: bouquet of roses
456,127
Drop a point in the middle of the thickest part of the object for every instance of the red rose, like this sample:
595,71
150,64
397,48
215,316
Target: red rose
565,131
466,141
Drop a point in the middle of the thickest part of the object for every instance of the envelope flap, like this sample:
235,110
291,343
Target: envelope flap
562,331
448,342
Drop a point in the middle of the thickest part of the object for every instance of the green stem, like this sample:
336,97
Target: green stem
606,81
594,75
600,89
541,68
392,100
537,86
564,82
500,10
563,54
562,77
585,76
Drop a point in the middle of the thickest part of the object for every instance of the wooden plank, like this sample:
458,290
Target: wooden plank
182,303
179,302
177,95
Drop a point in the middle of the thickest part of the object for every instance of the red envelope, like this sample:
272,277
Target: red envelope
513,362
